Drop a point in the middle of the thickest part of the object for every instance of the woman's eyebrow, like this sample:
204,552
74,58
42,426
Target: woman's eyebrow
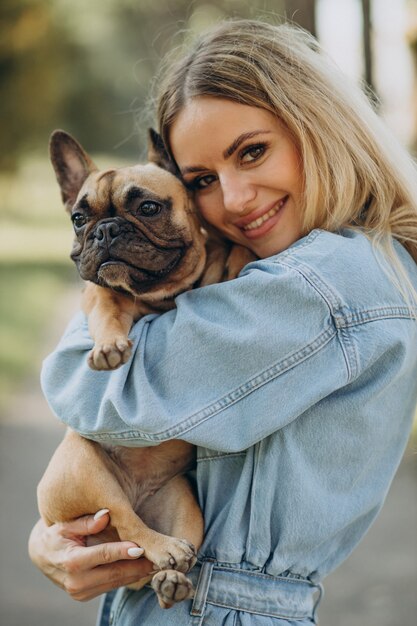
192,169
239,140
226,153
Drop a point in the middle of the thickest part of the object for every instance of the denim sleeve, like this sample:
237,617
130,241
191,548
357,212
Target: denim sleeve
233,363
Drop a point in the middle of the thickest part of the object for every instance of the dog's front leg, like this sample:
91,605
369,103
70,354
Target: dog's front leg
79,480
82,479
110,318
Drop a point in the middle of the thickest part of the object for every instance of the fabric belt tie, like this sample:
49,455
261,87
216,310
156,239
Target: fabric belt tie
253,592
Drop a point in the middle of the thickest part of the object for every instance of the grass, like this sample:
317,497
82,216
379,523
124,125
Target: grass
35,269
29,292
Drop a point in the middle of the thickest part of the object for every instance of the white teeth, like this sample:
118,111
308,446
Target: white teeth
256,223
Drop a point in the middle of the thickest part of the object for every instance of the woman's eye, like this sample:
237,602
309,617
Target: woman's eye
201,182
205,181
252,153
79,220
149,208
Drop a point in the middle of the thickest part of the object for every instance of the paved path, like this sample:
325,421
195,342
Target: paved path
28,436
377,586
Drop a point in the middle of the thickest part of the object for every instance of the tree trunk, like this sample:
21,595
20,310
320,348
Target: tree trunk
367,42
302,12
412,42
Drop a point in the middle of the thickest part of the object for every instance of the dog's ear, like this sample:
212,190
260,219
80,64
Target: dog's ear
158,154
71,163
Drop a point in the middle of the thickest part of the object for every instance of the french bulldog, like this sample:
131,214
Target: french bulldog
138,244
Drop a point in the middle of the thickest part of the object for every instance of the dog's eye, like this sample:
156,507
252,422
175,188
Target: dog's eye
78,219
149,208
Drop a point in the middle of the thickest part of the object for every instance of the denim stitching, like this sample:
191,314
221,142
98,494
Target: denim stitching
356,318
285,253
214,457
335,305
287,616
261,578
267,577
343,317
307,241
202,588
322,288
232,397
350,353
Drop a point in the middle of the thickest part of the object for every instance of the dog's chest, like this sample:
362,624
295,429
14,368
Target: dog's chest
143,471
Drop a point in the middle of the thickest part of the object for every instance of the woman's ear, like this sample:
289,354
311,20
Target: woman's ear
158,154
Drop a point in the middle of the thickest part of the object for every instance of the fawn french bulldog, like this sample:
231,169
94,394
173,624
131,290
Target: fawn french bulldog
138,243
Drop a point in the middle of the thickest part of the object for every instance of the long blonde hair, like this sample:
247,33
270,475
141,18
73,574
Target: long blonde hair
356,174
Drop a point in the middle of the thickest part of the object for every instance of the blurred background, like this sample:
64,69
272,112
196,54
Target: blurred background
87,67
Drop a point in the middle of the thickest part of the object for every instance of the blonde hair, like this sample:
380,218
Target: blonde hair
356,174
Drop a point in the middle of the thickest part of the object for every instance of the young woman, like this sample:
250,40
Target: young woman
297,380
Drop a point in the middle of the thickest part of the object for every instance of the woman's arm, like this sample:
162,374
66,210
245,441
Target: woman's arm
232,364
59,551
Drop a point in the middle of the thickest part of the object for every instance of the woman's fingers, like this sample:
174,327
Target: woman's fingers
93,570
85,571
81,558
86,585
86,525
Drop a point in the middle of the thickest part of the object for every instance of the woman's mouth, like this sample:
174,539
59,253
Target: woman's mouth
261,225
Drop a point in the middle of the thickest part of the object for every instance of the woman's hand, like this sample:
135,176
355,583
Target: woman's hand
61,553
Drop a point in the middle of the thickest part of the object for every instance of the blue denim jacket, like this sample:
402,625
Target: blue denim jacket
297,382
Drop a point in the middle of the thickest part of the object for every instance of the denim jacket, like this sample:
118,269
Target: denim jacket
297,382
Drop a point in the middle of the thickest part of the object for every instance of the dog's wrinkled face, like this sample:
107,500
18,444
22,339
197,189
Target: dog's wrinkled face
135,228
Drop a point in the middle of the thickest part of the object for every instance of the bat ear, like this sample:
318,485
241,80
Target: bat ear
71,163
158,154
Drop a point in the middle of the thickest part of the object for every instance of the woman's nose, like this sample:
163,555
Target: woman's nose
237,193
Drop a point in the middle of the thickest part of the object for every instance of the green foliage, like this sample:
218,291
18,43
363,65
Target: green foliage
87,66
33,51
28,300
35,269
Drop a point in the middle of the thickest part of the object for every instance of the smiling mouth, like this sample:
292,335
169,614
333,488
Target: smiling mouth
264,218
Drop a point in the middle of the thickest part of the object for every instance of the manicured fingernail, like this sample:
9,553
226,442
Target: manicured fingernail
135,551
101,513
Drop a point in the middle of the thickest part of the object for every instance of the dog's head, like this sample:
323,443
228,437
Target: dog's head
135,227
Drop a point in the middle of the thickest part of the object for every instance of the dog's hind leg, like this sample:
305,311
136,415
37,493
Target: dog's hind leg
174,511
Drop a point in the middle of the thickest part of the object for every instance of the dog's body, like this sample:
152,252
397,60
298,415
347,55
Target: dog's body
139,244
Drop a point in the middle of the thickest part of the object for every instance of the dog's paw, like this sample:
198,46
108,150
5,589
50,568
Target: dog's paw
175,554
171,587
110,356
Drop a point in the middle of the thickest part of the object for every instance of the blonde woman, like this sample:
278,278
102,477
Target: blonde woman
297,380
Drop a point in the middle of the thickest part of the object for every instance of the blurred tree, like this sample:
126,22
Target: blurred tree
87,66
367,42
303,12
33,53
46,80
412,42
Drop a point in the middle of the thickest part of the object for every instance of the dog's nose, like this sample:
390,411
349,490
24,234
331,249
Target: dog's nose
106,231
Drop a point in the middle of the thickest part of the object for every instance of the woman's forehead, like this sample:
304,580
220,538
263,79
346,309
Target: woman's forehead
208,124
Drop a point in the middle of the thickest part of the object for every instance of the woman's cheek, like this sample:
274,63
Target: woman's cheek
207,210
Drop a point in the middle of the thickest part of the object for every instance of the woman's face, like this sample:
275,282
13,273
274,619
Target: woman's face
244,170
